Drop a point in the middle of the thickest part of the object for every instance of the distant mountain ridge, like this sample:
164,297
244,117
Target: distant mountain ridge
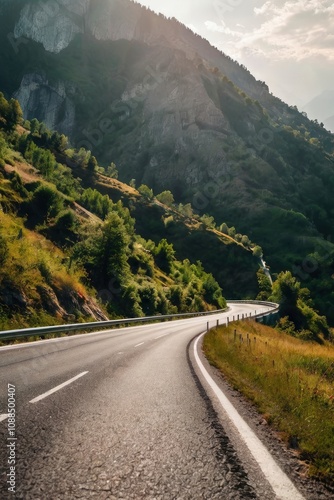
322,106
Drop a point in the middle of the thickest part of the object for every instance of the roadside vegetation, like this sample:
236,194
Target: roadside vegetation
290,381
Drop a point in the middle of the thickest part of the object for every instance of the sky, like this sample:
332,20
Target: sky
289,44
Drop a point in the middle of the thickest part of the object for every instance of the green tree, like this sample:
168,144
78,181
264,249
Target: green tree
224,228
46,202
176,297
111,171
92,163
286,292
15,114
10,113
4,110
146,192
257,251
149,299
131,301
264,285
245,240
66,221
296,307
212,291
208,221
3,147
187,210
232,232
34,126
111,252
165,256
166,197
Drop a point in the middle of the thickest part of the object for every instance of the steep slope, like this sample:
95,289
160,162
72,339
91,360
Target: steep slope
174,113
68,252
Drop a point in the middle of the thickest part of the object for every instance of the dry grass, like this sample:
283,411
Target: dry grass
291,382
34,261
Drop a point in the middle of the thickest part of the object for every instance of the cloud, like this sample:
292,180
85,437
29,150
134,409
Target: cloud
222,29
285,29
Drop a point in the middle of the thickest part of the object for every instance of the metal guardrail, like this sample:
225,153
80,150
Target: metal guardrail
275,307
47,330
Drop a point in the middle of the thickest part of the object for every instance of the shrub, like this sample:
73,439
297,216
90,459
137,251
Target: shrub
146,192
46,202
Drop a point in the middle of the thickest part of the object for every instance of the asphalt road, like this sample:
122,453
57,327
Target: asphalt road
129,413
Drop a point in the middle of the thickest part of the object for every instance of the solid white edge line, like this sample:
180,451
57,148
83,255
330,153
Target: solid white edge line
279,481
55,389
3,417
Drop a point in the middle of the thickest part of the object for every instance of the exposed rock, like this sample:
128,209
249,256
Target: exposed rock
51,104
54,24
67,303
50,301
12,297
76,304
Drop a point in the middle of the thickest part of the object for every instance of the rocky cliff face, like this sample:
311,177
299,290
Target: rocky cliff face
48,102
55,24
160,79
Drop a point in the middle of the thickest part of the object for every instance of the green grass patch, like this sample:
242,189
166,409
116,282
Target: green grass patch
289,380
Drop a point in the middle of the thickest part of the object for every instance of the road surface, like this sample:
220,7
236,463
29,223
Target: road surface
129,413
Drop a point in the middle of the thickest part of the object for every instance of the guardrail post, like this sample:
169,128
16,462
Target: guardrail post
227,321
207,326
217,322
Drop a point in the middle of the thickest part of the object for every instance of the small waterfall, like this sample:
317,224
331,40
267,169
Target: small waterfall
266,269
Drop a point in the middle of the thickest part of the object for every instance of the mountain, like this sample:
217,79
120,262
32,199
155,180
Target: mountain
322,106
329,123
176,114
77,244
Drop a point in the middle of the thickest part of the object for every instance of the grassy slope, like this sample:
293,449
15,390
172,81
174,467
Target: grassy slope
290,381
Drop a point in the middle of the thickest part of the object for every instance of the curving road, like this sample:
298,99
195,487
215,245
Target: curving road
126,414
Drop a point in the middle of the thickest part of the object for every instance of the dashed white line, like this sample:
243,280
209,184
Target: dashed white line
140,344
279,481
159,337
3,417
55,389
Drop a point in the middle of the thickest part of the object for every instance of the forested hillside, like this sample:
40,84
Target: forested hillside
69,252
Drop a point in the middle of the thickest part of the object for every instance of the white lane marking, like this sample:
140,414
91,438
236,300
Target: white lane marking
139,344
279,481
55,389
3,417
159,337
120,352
